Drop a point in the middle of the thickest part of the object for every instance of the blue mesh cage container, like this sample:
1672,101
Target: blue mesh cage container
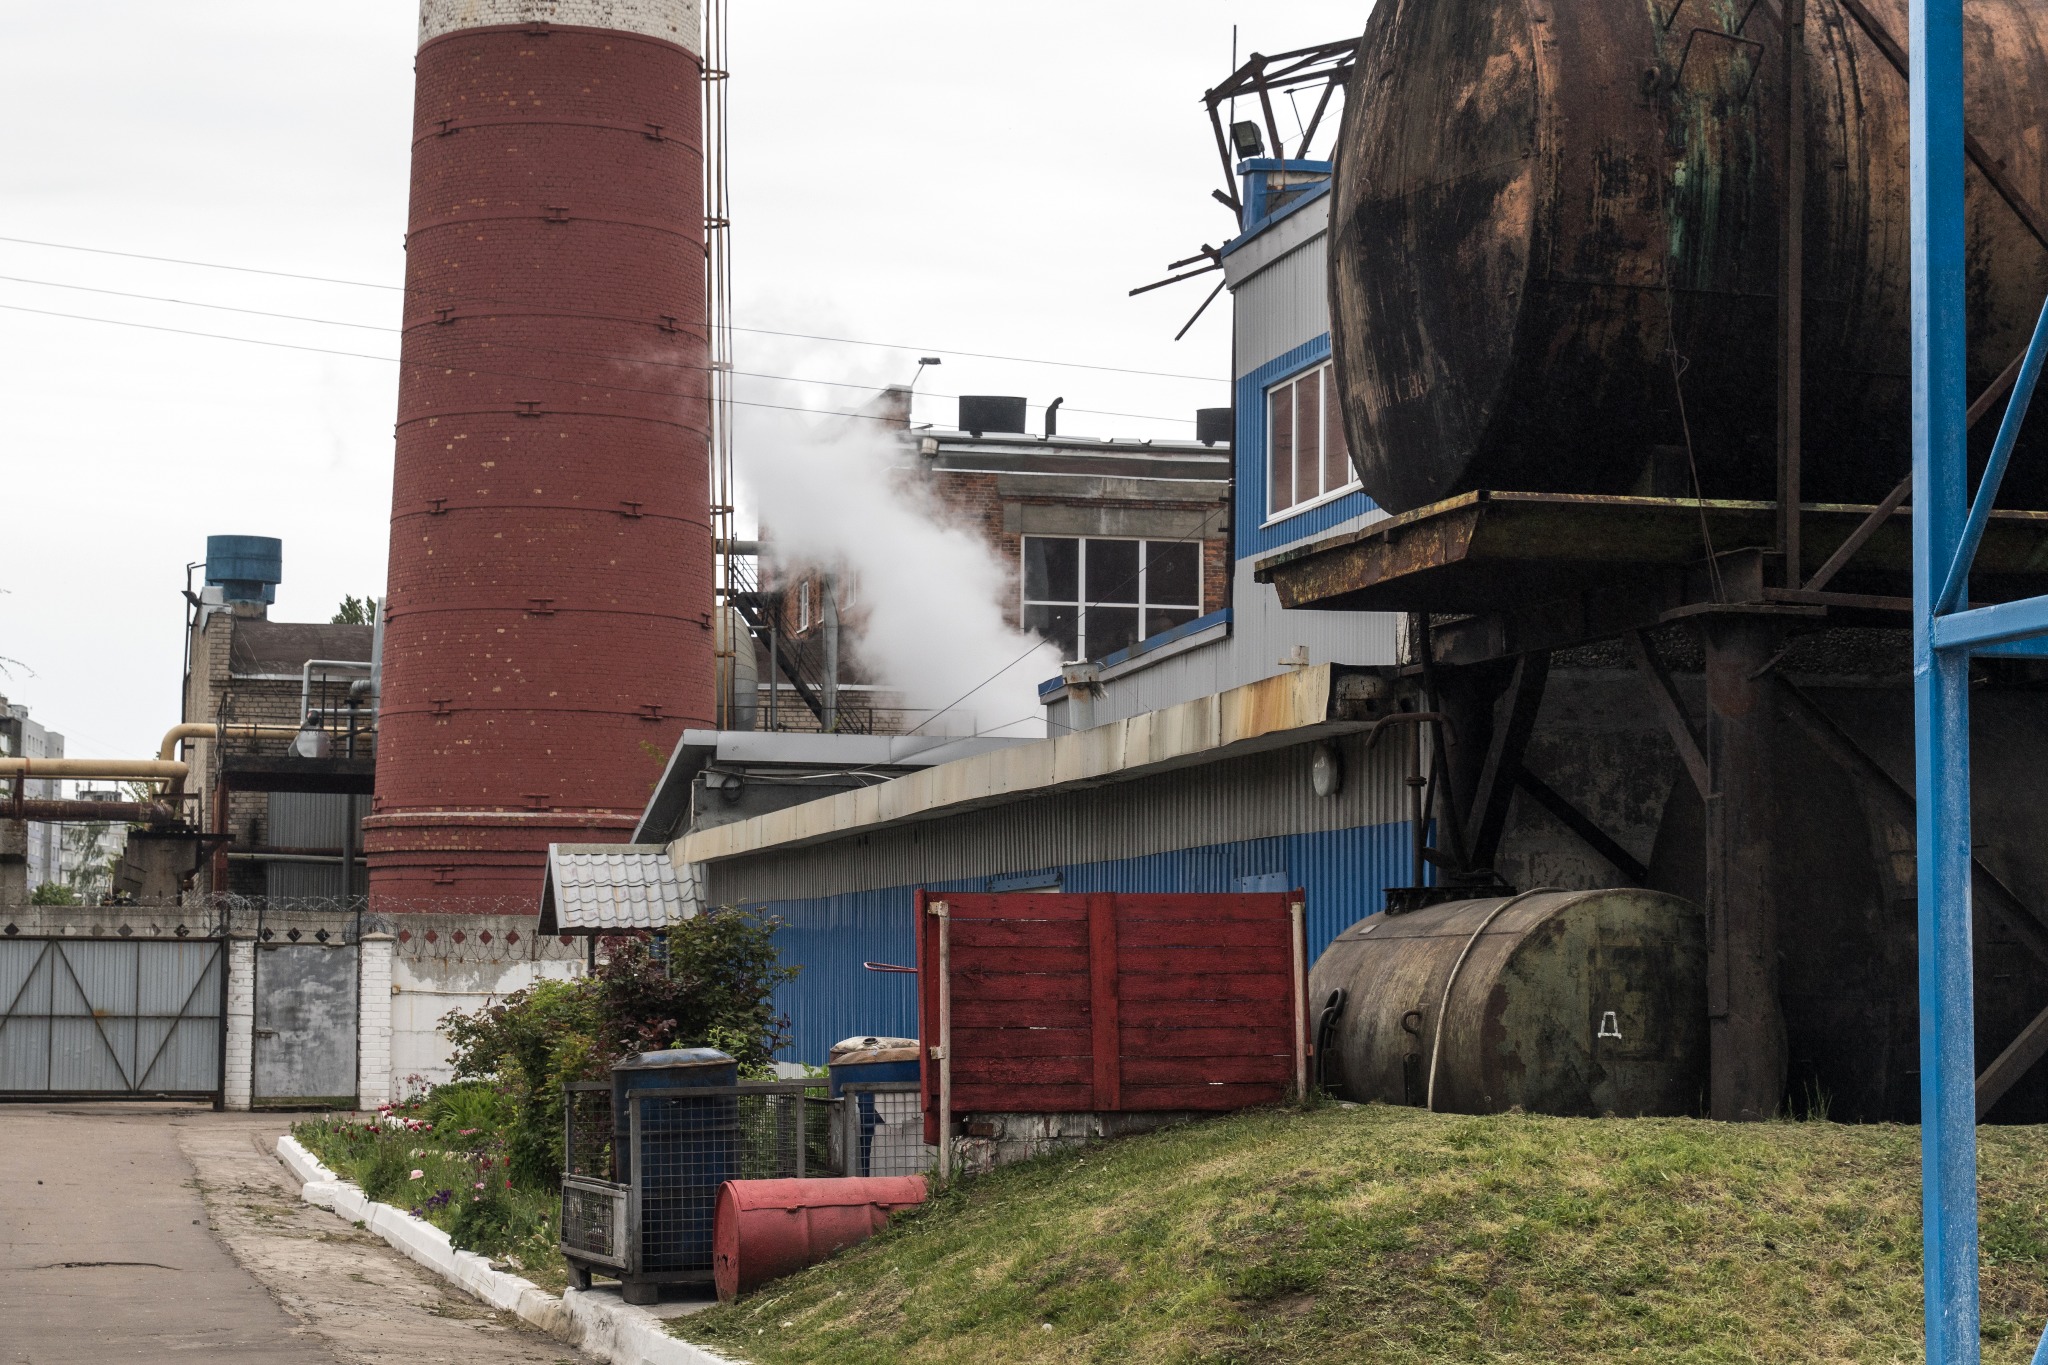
689,1146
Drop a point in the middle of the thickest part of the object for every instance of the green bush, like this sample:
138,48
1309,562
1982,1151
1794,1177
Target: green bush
469,1113
715,988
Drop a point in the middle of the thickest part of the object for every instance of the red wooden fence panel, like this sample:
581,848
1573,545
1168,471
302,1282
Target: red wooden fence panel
1106,1002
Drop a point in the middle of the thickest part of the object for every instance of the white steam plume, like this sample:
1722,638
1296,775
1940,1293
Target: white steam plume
928,621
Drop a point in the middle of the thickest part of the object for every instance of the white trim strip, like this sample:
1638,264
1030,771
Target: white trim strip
590,1321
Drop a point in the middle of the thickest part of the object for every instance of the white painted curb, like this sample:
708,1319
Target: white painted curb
596,1323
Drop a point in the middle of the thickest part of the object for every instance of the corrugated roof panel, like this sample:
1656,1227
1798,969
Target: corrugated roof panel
612,888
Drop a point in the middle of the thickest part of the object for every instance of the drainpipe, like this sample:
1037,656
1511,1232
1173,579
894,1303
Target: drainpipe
829,626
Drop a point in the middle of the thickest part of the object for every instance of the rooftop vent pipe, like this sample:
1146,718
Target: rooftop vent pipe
1052,417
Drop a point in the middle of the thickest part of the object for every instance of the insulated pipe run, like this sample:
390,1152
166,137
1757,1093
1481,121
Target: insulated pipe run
306,679
130,769
200,730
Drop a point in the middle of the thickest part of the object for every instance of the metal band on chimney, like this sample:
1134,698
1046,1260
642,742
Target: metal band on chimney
675,21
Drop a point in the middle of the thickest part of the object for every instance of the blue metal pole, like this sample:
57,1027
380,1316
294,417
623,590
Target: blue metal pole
1948,1132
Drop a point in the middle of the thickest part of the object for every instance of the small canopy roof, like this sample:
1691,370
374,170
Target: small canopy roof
612,889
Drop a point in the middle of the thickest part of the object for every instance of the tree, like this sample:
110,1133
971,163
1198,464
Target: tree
53,893
356,611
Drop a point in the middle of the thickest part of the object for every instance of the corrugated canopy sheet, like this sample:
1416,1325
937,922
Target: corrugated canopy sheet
612,888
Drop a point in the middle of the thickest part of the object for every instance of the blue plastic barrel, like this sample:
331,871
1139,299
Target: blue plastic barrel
689,1146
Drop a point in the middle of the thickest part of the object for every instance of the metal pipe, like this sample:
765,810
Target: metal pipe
132,769
87,812
1436,1033
1300,958
168,750
306,679
945,1057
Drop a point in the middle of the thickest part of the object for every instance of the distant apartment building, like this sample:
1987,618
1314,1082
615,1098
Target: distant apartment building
21,737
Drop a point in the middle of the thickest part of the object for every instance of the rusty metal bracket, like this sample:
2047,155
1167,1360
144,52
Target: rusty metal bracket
1504,756
2008,1066
1575,820
1756,63
1671,711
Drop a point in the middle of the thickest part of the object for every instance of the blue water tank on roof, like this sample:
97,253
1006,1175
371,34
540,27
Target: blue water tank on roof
245,568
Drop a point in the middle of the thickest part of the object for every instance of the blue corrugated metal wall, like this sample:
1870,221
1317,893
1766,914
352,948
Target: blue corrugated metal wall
1345,872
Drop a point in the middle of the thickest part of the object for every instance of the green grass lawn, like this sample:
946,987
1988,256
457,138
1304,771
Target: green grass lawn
1393,1235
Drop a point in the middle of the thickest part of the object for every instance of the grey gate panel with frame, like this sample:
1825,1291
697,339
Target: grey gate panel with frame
108,1017
306,1006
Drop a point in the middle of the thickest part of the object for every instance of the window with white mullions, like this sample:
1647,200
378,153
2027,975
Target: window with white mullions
1093,597
1306,457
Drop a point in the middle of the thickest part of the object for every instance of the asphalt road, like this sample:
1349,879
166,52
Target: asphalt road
168,1232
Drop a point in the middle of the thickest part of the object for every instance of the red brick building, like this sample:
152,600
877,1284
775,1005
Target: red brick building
1107,543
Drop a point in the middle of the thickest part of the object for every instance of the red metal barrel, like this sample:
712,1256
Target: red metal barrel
765,1229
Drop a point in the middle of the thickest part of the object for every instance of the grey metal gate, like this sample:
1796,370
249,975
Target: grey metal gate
96,1017
305,1051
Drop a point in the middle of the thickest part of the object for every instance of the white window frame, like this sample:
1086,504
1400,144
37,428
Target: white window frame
1143,602
803,605
1324,374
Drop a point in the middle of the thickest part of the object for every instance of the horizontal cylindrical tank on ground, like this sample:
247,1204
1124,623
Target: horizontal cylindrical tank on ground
1557,1002
770,1228
1554,245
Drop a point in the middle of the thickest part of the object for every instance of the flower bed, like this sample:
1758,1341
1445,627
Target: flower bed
457,1178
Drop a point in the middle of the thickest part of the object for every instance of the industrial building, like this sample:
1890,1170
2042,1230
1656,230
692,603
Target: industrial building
285,755
1103,542
1229,749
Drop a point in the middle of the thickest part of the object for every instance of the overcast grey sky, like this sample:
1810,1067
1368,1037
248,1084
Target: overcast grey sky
942,176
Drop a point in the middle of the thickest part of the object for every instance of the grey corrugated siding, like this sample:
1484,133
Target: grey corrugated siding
1283,305
308,819
1260,796
157,1006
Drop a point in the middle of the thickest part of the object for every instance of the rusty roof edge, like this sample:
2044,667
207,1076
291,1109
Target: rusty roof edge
1264,568
1290,708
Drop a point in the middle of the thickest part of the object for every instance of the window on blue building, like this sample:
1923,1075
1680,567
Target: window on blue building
1093,597
1306,458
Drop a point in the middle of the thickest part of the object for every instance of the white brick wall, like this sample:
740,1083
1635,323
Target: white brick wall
677,21
423,992
241,1023
373,1036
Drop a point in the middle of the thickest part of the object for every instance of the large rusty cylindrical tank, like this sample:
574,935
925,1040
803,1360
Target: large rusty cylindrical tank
1554,246
1560,1002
